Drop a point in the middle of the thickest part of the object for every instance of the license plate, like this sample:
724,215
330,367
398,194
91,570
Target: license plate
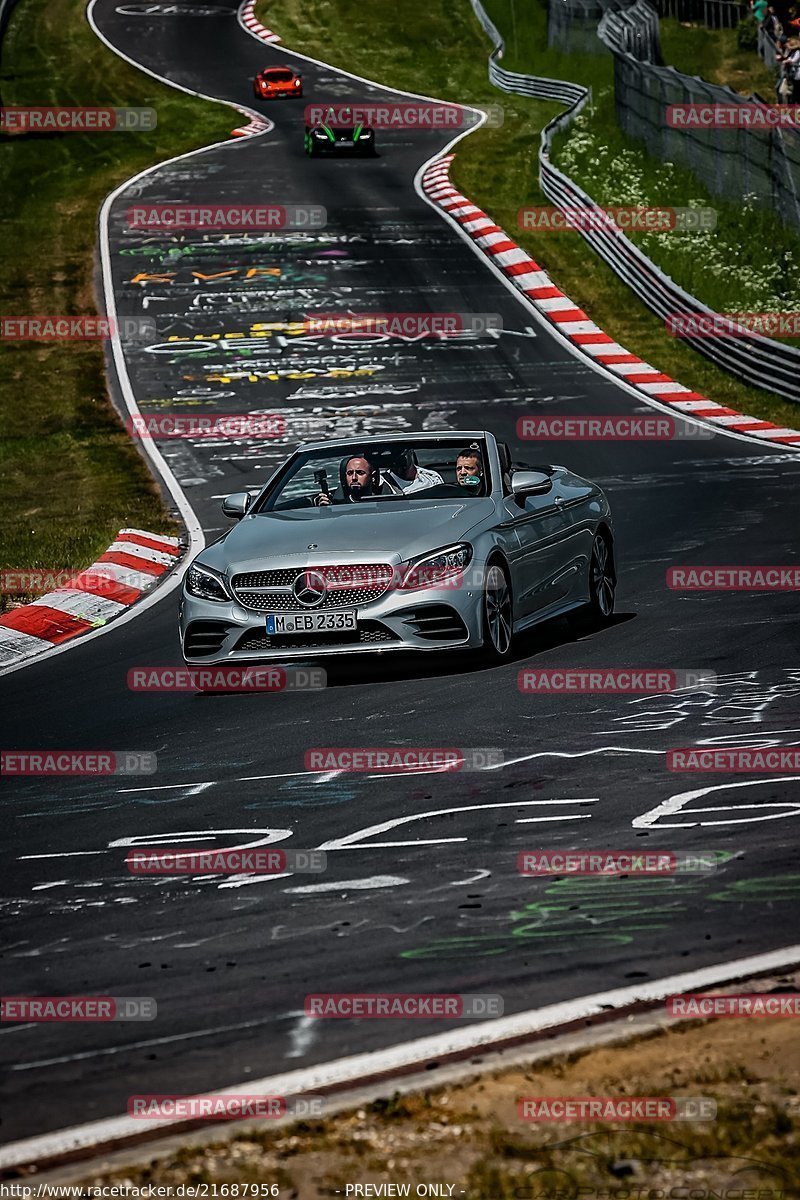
318,622
344,145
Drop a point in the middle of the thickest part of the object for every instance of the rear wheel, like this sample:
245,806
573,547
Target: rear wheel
498,614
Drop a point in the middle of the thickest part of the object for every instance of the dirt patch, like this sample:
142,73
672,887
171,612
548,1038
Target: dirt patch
469,1138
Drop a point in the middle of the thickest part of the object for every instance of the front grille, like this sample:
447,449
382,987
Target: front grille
204,637
436,623
368,633
266,598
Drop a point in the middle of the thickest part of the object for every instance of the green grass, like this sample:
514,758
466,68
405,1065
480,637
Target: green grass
714,54
432,47
70,477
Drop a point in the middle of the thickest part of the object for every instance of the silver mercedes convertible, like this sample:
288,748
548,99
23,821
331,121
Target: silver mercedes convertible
400,542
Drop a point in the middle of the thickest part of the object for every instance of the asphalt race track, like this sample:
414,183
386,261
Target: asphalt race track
229,961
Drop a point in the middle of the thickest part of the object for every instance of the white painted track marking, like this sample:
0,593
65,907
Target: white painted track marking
472,1039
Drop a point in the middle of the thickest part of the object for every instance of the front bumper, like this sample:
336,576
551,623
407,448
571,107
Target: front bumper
341,149
428,619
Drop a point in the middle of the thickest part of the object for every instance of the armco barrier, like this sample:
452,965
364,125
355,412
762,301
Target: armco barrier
762,362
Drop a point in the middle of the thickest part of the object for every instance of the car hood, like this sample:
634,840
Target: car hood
374,533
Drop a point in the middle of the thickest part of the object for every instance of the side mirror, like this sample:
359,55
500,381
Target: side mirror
236,505
530,483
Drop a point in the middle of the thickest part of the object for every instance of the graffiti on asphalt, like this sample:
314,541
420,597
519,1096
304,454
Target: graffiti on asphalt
739,698
580,913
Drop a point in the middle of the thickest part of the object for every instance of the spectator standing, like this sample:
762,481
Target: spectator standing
771,25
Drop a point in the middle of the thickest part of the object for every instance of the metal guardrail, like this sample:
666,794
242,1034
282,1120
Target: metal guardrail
760,361
539,88
632,31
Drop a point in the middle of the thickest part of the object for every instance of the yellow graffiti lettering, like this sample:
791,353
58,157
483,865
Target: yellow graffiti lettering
143,277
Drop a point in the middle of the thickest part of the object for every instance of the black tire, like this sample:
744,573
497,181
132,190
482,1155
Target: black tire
497,614
602,584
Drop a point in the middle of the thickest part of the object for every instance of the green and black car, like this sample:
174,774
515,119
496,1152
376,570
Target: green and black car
340,139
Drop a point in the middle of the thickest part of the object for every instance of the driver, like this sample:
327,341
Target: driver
469,469
359,479
405,475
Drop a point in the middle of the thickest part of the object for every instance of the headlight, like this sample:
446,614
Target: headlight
320,133
297,83
442,568
361,136
205,583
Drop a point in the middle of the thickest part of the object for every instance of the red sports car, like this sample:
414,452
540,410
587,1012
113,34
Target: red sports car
277,81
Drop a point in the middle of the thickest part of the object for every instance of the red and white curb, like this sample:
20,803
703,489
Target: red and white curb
528,277
256,125
248,17
130,567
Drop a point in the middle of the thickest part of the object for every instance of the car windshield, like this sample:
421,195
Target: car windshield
407,472
278,76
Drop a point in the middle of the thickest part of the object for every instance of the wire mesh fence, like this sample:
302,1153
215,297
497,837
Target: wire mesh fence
572,26
732,161
760,361
716,14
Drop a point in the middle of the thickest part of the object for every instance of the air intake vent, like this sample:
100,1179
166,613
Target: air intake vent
204,638
436,623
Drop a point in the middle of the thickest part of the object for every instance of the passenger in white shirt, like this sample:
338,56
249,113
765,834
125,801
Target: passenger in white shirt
404,474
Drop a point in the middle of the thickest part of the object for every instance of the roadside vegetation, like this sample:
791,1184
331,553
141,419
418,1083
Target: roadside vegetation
468,1136
433,47
70,478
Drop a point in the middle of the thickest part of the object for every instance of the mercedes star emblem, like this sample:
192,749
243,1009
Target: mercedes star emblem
309,588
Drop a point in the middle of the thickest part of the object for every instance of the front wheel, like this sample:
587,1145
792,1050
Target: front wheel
602,583
498,614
